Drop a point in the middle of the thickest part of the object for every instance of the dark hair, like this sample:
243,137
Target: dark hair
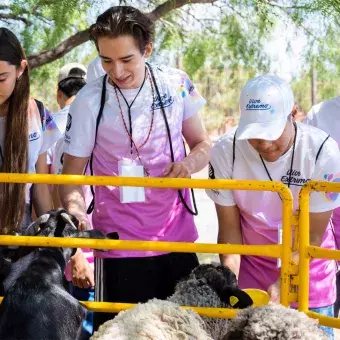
12,195
71,86
124,20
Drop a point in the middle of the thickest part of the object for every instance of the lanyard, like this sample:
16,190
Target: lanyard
291,163
130,106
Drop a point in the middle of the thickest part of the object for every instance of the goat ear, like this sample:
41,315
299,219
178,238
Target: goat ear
237,298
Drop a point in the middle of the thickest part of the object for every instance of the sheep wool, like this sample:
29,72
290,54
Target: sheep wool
273,322
156,320
193,293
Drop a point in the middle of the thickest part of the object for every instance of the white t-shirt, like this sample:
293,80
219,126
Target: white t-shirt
41,136
55,153
326,116
261,211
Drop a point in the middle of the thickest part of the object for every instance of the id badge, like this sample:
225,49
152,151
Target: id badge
279,230
129,168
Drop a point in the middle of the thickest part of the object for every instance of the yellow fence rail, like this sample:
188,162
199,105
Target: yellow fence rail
308,252
290,274
283,251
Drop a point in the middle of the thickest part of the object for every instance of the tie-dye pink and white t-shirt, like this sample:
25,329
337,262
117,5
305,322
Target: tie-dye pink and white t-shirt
162,217
261,211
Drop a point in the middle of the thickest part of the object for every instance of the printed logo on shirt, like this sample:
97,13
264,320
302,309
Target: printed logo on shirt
332,196
69,122
212,176
256,104
295,178
211,171
67,139
165,100
33,136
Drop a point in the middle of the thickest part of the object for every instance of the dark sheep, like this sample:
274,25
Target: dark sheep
211,285
36,305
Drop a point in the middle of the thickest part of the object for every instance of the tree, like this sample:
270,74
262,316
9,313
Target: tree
51,29
219,43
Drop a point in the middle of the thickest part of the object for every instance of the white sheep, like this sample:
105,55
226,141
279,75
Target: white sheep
273,322
156,320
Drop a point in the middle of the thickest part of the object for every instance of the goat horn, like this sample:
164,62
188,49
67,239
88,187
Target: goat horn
66,217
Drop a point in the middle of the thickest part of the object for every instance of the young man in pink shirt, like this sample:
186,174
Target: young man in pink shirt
268,145
131,122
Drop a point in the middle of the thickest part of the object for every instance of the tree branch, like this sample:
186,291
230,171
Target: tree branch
275,4
10,16
170,5
47,56
79,38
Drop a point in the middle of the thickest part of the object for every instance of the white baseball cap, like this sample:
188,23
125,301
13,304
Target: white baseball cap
265,103
72,71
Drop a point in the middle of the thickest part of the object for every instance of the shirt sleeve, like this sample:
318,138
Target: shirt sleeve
221,167
50,131
327,169
192,100
80,129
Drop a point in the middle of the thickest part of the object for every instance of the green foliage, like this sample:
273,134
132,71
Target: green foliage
222,91
44,79
49,21
220,51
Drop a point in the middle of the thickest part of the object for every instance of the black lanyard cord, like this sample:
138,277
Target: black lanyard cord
130,106
192,212
291,163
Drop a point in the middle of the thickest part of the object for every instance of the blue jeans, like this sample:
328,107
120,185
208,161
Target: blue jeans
327,311
83,294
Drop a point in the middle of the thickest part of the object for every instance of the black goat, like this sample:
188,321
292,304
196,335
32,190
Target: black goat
36,305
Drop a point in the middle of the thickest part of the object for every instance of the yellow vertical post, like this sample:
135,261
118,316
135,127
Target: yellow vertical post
303,295
286,247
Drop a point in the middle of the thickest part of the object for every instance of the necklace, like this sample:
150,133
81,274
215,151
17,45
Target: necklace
129,133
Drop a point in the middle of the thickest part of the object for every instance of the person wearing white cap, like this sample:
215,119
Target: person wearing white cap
71,78
269,145
326,116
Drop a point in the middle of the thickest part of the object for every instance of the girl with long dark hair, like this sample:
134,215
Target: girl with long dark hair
26,132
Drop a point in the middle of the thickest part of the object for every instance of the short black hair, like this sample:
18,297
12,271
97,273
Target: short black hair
124,20
71,86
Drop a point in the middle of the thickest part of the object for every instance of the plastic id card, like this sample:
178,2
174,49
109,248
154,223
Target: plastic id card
129,168
279,230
